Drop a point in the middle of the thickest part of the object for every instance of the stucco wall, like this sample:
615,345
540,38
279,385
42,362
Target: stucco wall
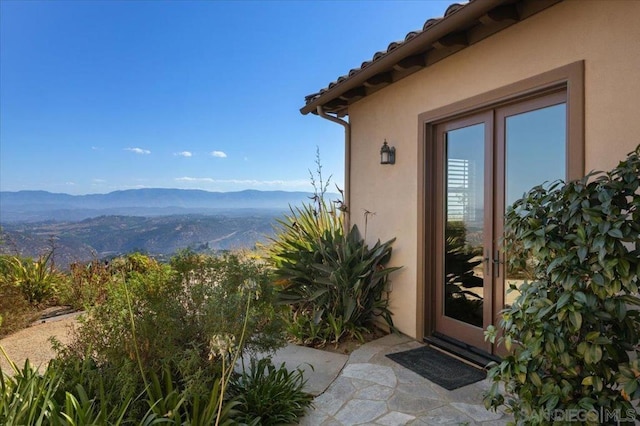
605,34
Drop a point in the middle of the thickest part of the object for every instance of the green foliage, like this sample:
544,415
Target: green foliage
189,321
334,283
167,404
268,395
24,285
572,329
36,279
86,284
133,263
217,288
15,311
31,398
172,318
461,302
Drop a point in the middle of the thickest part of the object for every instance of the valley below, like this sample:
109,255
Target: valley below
104,237
157,222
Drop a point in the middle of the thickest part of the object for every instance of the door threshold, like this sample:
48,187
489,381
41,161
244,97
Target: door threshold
467,352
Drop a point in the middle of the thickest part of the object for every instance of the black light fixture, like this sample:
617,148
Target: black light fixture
387,154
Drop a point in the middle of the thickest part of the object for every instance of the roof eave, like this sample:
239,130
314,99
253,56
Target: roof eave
462,17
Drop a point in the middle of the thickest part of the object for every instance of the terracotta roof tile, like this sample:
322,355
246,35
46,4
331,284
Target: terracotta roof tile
392,46
461,26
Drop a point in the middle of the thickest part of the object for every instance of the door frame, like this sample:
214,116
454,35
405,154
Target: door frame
458,329
569,77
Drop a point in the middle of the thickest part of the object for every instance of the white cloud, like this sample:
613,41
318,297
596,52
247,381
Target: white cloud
70,183
219,154
98,181
138,150
194,179
95,148
247,182
184,154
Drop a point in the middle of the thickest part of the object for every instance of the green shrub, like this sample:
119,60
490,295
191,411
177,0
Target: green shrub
334,283
86,284
171,318
24,284
36,279
167,404
16,312
30,398
268,395
133,263
217,288
571,330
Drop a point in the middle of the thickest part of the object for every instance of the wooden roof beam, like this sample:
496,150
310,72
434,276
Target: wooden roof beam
382,79
505,12
354,94
452,40
415,61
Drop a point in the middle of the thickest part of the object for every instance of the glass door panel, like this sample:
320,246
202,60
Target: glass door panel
464,273
535,152
484,163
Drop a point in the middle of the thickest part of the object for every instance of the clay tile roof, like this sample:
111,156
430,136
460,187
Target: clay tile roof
451,9
450,32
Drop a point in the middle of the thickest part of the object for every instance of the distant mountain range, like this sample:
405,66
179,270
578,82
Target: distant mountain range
160,236
33,206
154,221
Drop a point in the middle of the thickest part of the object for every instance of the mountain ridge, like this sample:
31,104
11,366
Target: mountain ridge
38,205
162,236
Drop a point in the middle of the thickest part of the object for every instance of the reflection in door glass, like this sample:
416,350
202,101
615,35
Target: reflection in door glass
535,153
464,233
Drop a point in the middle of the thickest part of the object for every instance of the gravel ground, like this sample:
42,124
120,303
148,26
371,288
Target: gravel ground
33,342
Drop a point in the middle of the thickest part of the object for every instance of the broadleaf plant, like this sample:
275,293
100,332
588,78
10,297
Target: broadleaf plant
333,282
573,331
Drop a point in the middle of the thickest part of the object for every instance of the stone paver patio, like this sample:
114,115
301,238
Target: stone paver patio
372,389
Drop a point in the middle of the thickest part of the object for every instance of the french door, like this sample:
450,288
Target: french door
485,162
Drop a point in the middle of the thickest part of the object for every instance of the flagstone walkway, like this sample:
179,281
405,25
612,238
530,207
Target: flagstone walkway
374,390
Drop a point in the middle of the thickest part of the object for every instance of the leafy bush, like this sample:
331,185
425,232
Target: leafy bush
217,289
167,404
571,331
86,284
268,395
31,398
15,311
171,319
36,279
24,284
133,263
334,283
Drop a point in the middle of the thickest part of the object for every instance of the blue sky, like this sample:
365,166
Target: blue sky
97,96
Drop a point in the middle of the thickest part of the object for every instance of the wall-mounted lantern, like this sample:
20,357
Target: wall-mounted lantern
387,154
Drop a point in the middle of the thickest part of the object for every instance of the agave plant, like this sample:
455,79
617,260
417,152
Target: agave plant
36,279
334,282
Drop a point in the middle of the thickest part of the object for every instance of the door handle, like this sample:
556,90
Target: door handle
496,263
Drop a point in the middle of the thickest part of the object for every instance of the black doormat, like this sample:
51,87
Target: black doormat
438,367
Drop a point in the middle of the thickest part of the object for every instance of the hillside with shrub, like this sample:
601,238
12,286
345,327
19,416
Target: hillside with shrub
161,236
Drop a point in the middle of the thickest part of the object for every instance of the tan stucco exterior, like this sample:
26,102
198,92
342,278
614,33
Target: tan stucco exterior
603,34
